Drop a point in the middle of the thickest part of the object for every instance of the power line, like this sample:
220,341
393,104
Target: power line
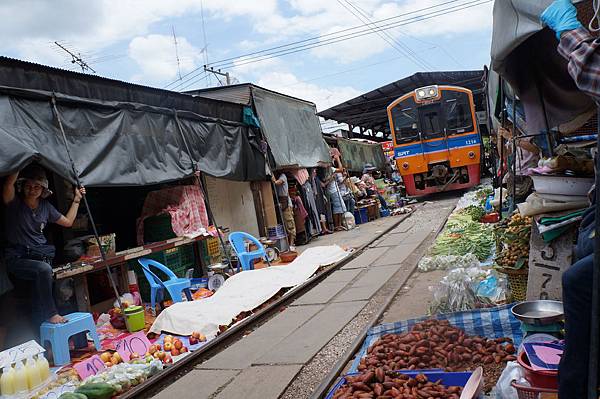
454,9
344,71
354,35
196,73
317,37
189,79
404,49
206,75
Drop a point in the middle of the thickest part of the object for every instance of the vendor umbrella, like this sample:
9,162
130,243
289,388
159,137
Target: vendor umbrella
87,206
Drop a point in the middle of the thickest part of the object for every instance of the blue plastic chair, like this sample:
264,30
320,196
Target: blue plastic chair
58,335
237,240
174,285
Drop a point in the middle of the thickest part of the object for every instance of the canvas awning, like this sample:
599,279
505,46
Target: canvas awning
525,54
356,154
290,125
121,143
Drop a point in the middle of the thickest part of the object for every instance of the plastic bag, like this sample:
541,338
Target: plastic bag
447,262
467,288
492,289
454,292
350,222
512,372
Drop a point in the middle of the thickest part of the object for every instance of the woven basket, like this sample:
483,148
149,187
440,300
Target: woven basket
517,282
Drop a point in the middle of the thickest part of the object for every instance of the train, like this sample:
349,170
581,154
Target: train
436,138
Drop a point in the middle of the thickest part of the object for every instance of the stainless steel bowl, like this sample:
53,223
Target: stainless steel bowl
539,313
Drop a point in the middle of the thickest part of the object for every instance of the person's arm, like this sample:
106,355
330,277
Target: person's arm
506,133
576,45
528,146
581,50
8,191
68,219
278,182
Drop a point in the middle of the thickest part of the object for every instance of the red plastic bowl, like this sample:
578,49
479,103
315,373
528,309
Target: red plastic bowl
539,379
490,218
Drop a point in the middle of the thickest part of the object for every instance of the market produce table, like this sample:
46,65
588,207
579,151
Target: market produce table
80,270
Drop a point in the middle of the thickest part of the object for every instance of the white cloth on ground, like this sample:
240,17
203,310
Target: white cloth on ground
243,292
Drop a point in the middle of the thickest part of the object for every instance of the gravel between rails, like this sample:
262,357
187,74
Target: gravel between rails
312,373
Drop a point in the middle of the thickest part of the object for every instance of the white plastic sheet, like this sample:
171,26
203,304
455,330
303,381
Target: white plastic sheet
243,292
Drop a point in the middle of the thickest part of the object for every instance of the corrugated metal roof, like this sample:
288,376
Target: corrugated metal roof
238,94
369,110
29,75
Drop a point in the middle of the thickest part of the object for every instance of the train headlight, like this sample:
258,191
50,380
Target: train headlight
471,154
427,92
405,165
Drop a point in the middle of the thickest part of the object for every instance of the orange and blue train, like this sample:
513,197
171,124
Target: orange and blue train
437,144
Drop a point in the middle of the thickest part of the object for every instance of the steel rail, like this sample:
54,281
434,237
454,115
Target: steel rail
229,335
326,384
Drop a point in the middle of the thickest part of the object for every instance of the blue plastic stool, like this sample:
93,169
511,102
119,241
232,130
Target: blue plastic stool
237,239
174,285
58,335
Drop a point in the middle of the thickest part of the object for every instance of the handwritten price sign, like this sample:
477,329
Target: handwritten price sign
20,352
134,343
88,367
56,392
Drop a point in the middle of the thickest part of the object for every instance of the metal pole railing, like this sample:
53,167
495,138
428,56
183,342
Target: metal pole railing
592,389
85,202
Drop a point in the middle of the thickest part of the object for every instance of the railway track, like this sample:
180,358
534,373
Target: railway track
222,341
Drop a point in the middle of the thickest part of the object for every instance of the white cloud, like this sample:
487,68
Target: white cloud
155,55
323,97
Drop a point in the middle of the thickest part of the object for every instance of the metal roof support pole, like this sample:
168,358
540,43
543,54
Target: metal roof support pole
196,173
592,389
87,205
503,117
547,124
514,157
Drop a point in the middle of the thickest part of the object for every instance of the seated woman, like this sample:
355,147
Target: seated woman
28,255
371,187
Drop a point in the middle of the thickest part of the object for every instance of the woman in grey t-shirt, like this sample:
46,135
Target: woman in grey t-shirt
28,254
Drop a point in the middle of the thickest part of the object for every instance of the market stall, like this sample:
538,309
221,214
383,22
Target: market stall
140,162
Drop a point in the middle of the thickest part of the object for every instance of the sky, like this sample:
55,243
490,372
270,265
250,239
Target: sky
134,41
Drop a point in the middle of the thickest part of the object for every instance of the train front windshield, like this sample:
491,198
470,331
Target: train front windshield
449,115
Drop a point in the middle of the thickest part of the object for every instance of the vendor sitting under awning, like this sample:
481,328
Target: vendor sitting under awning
581,49
371,187
28,256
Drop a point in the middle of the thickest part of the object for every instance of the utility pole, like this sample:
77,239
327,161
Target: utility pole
217,73
76,59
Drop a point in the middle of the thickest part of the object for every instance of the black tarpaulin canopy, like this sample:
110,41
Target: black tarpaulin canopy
120,143
27,75
290,125
368,110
